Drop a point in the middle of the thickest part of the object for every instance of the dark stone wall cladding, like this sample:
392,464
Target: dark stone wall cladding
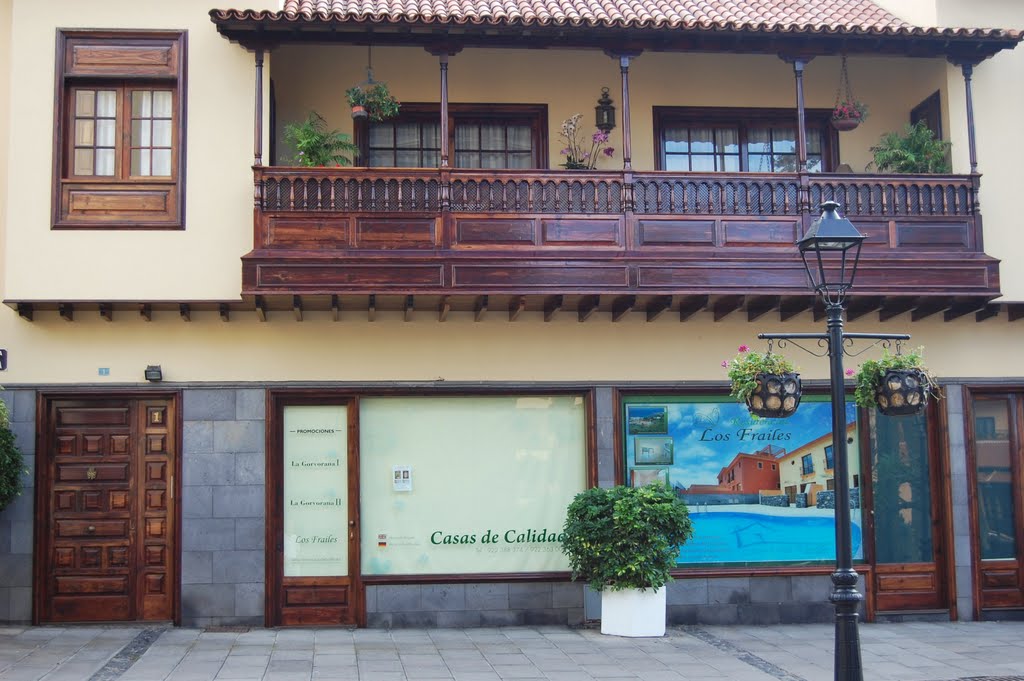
778,500
16,524
827,498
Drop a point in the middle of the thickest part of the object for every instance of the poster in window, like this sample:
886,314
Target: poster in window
745,511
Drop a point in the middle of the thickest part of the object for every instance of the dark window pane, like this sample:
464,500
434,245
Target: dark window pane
994,476
902,492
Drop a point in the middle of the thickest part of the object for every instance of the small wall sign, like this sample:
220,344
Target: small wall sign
402,478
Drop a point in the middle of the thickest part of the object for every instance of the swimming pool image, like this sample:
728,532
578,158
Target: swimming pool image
742,536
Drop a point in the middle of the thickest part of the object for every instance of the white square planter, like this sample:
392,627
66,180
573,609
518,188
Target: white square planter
632,612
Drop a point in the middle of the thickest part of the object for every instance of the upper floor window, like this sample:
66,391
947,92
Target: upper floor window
740,140
829,458
120,129
808,464
481,136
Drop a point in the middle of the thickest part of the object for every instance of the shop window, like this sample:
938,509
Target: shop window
740,140
468,485
994,478
491,137
693,444
120,128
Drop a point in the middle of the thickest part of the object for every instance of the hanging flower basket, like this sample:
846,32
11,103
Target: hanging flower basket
848,112
767,383
902,392
898,385
845,124
359,111
776,396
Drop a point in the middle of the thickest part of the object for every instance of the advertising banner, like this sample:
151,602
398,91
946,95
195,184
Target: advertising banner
468,484
315,491
758,490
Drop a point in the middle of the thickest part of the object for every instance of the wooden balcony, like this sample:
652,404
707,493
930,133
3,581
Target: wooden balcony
332,231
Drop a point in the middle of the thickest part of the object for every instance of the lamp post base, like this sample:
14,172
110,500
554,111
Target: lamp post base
847,600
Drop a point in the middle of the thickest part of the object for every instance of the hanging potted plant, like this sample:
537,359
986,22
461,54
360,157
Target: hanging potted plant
624,541
372,99
767,382
848,112
899,385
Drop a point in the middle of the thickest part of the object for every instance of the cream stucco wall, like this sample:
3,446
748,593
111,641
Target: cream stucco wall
5,128
200,262
390,349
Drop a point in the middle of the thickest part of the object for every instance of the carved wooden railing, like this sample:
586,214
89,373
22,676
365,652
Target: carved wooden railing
382,190
896,195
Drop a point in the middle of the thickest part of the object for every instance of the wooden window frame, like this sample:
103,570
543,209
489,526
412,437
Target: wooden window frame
124,61
743,119
534,115
929,111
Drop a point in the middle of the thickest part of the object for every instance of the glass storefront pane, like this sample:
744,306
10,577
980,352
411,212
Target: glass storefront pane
902,488
315,450
994,478
468,484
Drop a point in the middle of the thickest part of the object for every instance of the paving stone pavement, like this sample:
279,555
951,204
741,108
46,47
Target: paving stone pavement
977,651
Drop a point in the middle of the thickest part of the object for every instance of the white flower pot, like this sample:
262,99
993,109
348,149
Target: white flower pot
632,612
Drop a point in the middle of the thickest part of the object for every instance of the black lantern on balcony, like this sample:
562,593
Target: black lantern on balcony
830,251
604,112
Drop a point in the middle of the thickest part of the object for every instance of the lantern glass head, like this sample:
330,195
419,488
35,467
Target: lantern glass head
604,112
830,251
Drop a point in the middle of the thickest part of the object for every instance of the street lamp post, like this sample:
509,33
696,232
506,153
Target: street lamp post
830,251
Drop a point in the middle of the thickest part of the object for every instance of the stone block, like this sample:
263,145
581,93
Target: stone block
682,614
249,600
250,404
533,596
207,534
197,501
24,436
5,537
575,617
240,501
544,616
964,579
810,588
413,620
459,619
5,603
209,405
398,598
770,589
502,618
567,595
207,600
21,604
24,406
759,613
435,597
28,475
197,438
22,509
250,534
21,537
487,596
962,547
238,436
16,569
250,469
371,598
196,567
718,614
806,613
208,469
687,591
378,620
237,567
731,590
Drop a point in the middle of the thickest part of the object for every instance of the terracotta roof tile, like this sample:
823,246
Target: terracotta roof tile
817,16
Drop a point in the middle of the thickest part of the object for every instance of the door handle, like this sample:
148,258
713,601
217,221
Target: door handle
90,529
351,529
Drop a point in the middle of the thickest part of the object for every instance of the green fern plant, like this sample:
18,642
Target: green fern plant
12,463
915,150
316,146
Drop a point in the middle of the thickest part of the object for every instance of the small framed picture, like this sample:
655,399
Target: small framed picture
653,451
643,419
638,477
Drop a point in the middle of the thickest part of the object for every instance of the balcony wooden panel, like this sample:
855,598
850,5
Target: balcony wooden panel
658,231
474,232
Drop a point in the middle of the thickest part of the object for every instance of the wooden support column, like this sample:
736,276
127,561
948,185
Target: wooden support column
967,68
443,59
624,58
803,192
257,143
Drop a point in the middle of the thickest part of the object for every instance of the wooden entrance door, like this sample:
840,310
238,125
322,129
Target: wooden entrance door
909,524
105,541
313,513
995,466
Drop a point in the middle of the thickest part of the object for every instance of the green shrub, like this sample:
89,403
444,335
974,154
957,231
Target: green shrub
12,464
913,151
316,146
625,537
871,372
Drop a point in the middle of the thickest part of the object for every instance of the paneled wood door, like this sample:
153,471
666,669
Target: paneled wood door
995,466
313,513
106,546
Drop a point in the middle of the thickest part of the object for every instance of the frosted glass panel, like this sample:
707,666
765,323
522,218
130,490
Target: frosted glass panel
140,162
382,136
162,162
492,138
83,161
519,138
408,159
85,132
105,133
467,137
105,162
142,104
162,104
407,136
85,103
140,134
106,103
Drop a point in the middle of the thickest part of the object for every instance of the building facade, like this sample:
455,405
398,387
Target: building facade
257,392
